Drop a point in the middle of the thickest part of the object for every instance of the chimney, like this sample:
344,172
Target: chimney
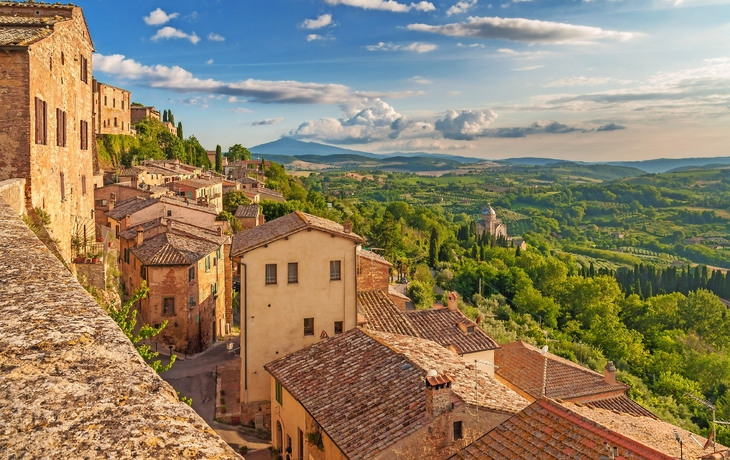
220,230
347,226
140,236
609,373
438,393
112,202
452,304
169,225
127,220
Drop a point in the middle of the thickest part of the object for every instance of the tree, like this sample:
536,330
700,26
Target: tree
237,152
164,116
232,200
126,318
218,159
235,224
170,117
433,248
180,131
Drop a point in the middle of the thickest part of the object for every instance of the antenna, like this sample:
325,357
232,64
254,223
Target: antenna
710,406
476,386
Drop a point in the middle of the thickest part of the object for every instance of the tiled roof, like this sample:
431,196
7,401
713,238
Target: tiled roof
177,227
373,256
442,326
196,183
364,396
284,226
622,404
172,249
538,374
250,210
133,171
382,315
395,292
130,206
183,203
548,430
249,180
268,191
25,30
428,355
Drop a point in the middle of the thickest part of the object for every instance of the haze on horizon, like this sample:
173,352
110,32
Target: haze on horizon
598,80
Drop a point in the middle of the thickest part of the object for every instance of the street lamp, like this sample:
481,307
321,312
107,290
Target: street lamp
170,347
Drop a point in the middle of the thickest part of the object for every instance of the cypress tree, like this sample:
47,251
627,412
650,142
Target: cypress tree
164,116
218,159
170,117
433,249
180,131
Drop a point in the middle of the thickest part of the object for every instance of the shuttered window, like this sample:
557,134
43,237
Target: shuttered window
41,120
84,69
84,134
60,128
63,187
83,185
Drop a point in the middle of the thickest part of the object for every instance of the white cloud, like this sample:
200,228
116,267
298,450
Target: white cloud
461,7
523,30
421,80
264,91
159,17
167,33
522,54
420,144
416,46
385,5
454,93
209,61
214,37
528,68
471,45
241,110
465,124
268,121
313,37
582,81
323,20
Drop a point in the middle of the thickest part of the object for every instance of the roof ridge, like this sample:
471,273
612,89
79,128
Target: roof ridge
627,442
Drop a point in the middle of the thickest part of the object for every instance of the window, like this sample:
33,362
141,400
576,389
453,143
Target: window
219,253
470,329
338,327
168,306
197,318
41,120
63,187
279,391
83,185
214,290
191,273
84,69
122,109
143,272
308,326
84,135
457,431
191,302
207,264
300,444
115,122
270,273
105,104
288,443
335,270
126,255
293,272
60,128
169,213
63,59
114,103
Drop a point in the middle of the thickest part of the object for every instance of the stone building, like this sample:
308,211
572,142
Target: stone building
205,192
491,223
138,113
185,268
373,273
105,198
46,135
112,112
298,284
366,394
250,216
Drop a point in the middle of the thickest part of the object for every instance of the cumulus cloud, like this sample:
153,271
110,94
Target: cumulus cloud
323,20
209,61
159,17
385,5
418,47
461,7
523,30
465,124
313,37
177,79
214,37
167,33
268,121
610,127
421,144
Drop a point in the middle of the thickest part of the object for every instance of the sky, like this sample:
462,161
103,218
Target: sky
597,80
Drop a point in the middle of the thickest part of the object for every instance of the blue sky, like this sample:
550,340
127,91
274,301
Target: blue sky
586,80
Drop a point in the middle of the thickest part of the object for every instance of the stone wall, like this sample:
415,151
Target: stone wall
71,383
373,274
112,114
95,274
13,192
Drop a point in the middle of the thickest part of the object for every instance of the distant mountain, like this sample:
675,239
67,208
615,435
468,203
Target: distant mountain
658,165
294,148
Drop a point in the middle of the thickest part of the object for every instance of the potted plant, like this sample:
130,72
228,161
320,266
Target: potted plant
223,409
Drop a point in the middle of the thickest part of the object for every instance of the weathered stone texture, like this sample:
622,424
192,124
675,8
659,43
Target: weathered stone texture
13,192
112,113
71,384
95,274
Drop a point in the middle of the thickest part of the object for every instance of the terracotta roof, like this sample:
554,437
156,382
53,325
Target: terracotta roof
133,171
268,191
428,355
380,314
25,30
249,180
177,227
537,374
130,206
250,210
172,249
373,256
622,404
395,292
442,326
284,226
379,395
195,183
550,430
183,203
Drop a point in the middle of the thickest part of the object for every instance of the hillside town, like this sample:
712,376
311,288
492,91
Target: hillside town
328,353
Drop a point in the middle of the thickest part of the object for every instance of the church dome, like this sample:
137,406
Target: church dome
489,210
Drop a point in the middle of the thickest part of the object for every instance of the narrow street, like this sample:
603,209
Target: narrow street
194,377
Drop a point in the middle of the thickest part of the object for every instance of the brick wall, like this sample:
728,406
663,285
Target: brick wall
374,274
